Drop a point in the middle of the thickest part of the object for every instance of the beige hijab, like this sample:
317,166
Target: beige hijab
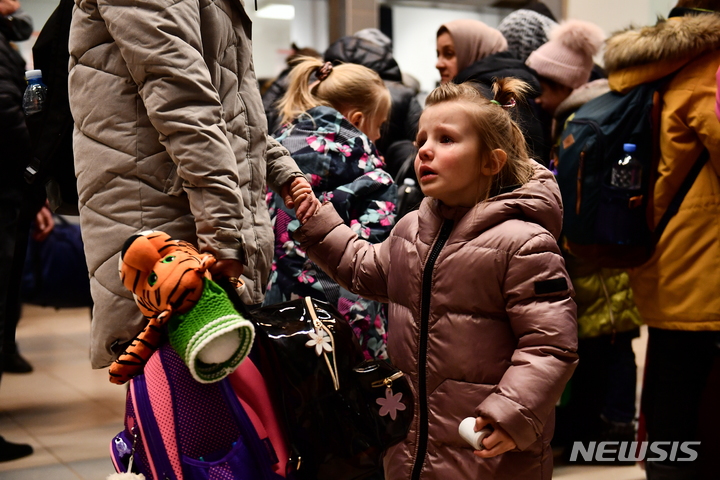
474,41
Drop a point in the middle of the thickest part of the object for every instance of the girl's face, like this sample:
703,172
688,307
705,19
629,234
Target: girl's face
552,96
367,124
446,59
448,164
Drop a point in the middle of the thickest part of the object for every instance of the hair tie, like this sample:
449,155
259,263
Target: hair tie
321,73
510,104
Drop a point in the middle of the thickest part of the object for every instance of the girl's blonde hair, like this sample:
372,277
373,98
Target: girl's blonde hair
494,126
346,86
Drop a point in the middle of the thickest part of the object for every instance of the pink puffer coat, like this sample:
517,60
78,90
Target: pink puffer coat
480,319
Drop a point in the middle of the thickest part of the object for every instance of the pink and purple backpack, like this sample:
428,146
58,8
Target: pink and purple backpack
179,429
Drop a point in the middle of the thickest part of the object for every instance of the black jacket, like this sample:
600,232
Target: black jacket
405,111
14,136
502,65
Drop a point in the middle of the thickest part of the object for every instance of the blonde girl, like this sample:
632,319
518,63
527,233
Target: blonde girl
480,311
357,92
332,116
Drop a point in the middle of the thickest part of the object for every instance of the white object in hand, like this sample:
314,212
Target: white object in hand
466,429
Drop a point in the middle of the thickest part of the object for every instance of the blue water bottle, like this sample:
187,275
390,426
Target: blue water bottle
35,93
627,172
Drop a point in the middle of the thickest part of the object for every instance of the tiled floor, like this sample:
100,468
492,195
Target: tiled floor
69,412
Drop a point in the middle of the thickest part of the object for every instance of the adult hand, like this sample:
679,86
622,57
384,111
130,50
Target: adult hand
8,7
44,224
227,268
498,442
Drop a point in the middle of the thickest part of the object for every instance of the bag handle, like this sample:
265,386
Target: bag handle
321,328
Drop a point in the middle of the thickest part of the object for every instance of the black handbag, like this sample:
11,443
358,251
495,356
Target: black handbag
341,411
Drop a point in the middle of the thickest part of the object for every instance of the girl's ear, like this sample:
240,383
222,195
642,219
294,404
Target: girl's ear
356,118
494,163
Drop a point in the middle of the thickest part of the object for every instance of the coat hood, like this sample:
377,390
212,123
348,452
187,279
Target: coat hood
537,201
675,41
368,54
499,65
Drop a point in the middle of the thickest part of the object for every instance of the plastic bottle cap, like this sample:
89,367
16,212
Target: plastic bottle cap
629,147
409,182
33,74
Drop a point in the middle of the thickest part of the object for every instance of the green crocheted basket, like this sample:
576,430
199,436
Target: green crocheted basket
212,329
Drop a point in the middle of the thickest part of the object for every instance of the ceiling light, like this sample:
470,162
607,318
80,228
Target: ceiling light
277,11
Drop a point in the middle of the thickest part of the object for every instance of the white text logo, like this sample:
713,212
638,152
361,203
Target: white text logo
634,451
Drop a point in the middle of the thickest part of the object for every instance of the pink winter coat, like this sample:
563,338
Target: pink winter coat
480,319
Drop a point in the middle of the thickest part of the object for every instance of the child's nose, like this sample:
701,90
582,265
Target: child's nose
425,152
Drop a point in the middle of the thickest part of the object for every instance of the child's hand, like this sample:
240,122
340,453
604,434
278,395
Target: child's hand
299,194
498,442
308,206
294,191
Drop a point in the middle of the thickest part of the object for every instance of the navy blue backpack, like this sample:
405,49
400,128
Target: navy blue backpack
610,225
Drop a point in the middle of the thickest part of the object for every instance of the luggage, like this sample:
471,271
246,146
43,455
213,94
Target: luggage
336,412
55,273
341,412
179,429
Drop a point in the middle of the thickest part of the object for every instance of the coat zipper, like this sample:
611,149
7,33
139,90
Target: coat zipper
422,354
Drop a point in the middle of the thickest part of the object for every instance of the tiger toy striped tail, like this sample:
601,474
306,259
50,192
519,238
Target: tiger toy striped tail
166,277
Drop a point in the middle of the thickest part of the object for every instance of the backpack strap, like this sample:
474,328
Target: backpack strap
680,195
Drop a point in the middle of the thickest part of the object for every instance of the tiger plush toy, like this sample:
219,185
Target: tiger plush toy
166,277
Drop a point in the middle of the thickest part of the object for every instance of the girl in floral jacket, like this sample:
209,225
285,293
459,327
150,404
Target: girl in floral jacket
331,118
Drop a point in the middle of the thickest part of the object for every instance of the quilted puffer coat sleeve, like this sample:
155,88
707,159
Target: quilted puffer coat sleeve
160,41
542,315
357,265
280,166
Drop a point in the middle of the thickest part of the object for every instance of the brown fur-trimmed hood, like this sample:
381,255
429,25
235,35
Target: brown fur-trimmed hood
669,40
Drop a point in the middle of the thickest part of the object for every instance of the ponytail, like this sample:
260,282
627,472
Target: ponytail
314,83
509,91
299,97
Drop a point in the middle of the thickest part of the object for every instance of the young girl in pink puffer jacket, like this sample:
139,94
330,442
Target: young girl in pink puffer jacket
480,314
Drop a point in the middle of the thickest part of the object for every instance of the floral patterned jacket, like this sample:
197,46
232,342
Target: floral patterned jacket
345,169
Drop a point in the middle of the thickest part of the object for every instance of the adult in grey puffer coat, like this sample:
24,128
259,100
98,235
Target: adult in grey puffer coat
479,300
170,134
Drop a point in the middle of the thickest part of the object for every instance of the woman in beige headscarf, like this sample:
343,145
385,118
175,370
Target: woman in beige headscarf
469,50
460,43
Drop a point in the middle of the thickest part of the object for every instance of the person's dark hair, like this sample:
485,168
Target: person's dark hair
557,86
713,5
298,54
